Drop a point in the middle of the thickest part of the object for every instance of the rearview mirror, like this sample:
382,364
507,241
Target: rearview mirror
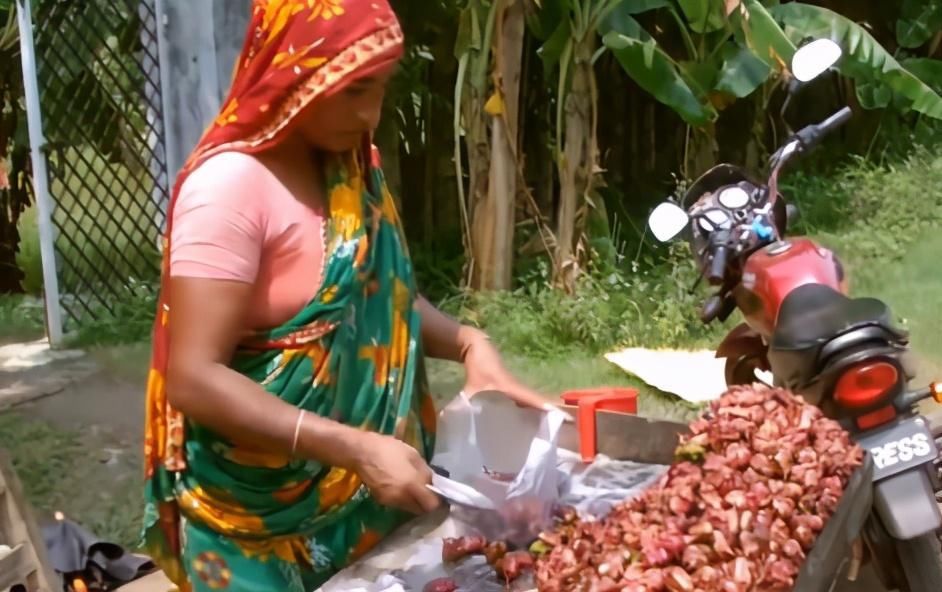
813,59
667,221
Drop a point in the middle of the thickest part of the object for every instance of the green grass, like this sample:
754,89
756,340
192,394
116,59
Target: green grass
883,222
69,472
913,288
21,318
104,214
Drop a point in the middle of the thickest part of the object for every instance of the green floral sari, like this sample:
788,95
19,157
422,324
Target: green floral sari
253,520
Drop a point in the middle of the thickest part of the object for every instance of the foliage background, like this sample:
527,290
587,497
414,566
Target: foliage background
709,92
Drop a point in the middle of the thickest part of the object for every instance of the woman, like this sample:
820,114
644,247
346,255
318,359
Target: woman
288,418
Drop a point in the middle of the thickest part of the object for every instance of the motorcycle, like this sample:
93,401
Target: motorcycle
840,353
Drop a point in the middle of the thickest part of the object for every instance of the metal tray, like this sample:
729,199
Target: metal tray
832,549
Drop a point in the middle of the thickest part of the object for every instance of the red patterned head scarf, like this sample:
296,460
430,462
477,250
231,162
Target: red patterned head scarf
295,52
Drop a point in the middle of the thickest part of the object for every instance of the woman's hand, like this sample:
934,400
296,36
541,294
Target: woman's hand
485,371
395,473
446,339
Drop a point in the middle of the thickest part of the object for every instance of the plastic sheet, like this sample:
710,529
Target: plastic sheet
517,442
594,488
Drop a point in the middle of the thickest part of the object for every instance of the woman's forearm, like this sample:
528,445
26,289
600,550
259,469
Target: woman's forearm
443,337
240,410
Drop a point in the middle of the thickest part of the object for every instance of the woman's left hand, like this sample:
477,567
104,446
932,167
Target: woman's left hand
485,371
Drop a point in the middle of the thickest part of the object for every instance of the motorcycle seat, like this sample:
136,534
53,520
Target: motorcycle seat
813,314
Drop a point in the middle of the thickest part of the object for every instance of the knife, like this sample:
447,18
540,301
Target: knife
517,523
455,492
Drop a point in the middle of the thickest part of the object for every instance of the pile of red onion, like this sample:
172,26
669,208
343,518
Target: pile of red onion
753,486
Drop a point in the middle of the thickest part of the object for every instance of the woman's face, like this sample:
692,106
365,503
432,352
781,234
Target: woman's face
338,123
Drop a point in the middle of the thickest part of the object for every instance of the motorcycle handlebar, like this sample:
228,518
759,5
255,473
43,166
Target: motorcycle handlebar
835,121
812,134
717,270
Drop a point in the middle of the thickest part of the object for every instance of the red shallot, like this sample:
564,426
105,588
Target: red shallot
754,484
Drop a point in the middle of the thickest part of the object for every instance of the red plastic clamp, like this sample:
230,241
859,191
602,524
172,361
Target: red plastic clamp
588,402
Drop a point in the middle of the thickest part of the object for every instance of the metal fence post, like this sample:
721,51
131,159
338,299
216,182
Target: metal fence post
172,162
44,203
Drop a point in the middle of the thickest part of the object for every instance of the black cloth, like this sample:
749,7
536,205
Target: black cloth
75,551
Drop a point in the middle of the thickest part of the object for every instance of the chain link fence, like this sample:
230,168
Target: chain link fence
98,71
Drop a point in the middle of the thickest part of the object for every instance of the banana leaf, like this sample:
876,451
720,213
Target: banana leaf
656,72
762,34
865,60
919,20
741,72
927,70
704,16
621,16
873,94
552,50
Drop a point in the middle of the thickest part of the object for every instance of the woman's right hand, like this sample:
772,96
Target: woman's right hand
395,473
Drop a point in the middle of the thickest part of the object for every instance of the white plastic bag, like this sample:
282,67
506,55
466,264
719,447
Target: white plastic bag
490,432
456,448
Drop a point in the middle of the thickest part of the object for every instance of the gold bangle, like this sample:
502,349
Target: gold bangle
297,432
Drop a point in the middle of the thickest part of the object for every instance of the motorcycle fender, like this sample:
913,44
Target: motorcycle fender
743,340
906,504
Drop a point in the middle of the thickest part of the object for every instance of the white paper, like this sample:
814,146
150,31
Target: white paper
695,376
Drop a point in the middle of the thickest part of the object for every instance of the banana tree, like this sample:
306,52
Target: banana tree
731,48
571,31
878,74
734,47
920,21
489,51
742,43
15,187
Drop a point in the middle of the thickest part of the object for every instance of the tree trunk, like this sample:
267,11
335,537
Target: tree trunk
15,189
700,153
493,214
577,165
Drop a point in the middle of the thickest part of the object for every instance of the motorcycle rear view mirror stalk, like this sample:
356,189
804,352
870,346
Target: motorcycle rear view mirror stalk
810,61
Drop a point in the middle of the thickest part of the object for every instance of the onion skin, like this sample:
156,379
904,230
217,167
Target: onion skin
441,585
512,565
456,549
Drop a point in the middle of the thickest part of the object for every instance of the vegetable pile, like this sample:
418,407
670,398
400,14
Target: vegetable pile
508,564
754,484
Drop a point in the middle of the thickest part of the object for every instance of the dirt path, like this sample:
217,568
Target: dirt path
76,444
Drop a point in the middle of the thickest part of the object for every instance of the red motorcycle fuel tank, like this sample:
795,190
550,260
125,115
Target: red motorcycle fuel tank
772,272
